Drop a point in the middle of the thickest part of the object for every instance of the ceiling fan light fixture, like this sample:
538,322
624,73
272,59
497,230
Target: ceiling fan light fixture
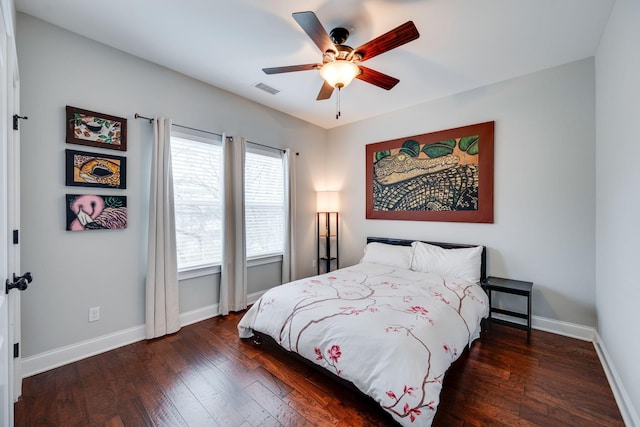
339,73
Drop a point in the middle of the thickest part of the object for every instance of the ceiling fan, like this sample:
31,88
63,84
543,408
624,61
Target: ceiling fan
340,62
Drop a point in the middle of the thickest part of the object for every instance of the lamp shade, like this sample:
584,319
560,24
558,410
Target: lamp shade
339,73
328,201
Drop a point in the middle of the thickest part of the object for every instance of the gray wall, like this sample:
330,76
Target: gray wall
544,183
77,270
617,194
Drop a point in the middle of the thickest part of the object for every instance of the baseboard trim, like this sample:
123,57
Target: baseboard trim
586,333
61,356
571,330
64,355
200,314
71,353
628,412
252,298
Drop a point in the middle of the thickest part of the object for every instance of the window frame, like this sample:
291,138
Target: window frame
276,153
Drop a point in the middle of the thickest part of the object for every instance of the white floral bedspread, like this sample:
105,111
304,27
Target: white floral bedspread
393,333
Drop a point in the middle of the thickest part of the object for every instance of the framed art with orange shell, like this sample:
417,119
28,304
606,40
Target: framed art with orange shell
86,127
439,176
84,169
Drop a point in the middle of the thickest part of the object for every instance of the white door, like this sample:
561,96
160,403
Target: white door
10,374
13,216
6,413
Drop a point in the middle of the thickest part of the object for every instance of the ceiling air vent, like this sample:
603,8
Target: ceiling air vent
266,88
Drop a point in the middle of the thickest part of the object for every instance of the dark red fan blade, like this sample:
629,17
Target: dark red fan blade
325,92
377,78
391,40
314,29
290,68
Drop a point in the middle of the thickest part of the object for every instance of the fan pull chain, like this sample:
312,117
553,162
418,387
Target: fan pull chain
338,103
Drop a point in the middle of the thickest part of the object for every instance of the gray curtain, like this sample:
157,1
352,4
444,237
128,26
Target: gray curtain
233,281
288,258
162,308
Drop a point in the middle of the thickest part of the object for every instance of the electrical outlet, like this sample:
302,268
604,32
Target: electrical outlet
313,263
94,314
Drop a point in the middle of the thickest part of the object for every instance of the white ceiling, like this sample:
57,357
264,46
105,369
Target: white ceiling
463,44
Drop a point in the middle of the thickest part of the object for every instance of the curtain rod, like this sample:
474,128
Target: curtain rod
138,116
268,146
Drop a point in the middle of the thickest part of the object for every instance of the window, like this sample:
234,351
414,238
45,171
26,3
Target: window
196,160
264,195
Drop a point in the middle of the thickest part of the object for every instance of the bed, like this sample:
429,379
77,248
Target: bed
390,325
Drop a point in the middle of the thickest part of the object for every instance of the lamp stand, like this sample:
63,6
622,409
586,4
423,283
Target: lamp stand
327,234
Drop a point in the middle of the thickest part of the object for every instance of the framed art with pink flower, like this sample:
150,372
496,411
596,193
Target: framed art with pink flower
95,212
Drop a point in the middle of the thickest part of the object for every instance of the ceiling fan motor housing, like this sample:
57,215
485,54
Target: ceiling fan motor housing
343,52
339,35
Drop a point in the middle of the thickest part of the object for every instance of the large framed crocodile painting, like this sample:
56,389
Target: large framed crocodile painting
439,176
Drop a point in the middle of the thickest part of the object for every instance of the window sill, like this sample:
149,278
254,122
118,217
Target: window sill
198,272
216,269
265,259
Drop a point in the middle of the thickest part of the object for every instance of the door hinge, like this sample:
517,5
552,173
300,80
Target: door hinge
15,121
16,350
16,237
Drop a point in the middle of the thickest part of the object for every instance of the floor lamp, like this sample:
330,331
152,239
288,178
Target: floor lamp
328,231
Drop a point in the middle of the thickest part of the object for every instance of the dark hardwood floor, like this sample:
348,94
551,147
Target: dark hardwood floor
206,376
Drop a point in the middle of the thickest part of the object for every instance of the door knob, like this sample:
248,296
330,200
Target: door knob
19,282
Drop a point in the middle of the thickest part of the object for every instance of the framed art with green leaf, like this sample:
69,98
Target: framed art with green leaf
439,176
86,127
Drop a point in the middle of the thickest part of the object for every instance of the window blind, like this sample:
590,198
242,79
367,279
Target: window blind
264,202
197,180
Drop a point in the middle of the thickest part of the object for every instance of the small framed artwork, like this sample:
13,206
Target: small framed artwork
86,127
93,212
439,176
85,169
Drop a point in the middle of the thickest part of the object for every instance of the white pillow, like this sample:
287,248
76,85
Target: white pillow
463,263
390,255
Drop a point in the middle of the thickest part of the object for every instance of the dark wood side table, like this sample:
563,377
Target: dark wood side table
513,287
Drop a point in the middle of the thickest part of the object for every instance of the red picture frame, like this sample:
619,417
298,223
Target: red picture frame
438,176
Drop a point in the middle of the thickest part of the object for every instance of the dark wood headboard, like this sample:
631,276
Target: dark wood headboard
404,242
